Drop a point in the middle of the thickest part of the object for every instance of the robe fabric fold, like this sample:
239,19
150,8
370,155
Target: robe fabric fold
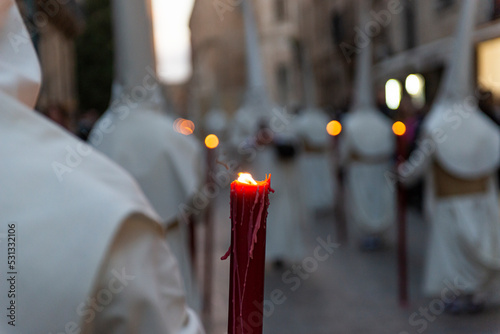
367,146
64,206
459,154
137,134
315,161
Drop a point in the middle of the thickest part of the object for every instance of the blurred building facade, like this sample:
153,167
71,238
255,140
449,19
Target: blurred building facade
218,57
53,26
409,37
279,24
218,52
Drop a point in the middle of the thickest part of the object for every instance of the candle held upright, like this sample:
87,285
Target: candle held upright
249,203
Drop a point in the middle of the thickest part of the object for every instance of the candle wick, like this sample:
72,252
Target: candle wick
222,163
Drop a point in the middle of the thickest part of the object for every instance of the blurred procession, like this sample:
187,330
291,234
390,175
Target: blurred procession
377,121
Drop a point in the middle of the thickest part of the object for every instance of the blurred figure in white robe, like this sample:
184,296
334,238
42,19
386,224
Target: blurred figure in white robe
137,133
367,150
459,153
316,167
264,141
89,254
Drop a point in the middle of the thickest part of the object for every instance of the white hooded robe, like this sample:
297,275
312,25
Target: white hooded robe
136,133
367,147
462,146
67,215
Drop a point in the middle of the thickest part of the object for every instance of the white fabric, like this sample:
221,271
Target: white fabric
464,241
20,73
310,126
148,296
286,210
363,81
166,165
369,133
67,203
216,122
371,203
317,175
461,126
465,231
133,40
137,134
50,236
459,129
244,125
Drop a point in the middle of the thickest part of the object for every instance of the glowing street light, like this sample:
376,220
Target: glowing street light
414,84
393,92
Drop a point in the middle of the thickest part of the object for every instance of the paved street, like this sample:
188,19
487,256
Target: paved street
348,292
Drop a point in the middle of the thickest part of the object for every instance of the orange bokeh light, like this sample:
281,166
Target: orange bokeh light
246,178
184,126
211,141
399,128
334,128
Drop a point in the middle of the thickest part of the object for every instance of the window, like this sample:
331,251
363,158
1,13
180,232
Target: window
280,10
496,9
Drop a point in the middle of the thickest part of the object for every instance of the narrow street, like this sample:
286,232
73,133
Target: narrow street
348,292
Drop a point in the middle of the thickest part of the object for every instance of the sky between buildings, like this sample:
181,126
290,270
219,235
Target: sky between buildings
172,39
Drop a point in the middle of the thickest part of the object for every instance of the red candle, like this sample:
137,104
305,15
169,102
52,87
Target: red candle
249,202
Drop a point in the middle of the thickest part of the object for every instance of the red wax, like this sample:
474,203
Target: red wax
248,249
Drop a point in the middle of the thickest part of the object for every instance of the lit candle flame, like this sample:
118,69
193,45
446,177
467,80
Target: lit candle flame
246,178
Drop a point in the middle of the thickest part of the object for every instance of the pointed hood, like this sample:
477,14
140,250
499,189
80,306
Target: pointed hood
133,38
135,62
458,80
311,123
370,132
363,81
256,105
167,170
467,142
309,81
20,74
43,166
215,119
256,82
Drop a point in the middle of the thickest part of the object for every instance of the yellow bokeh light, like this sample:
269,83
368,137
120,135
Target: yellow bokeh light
211,141
334,128
399,128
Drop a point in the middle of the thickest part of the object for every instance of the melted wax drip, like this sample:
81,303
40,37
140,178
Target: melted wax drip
255,224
